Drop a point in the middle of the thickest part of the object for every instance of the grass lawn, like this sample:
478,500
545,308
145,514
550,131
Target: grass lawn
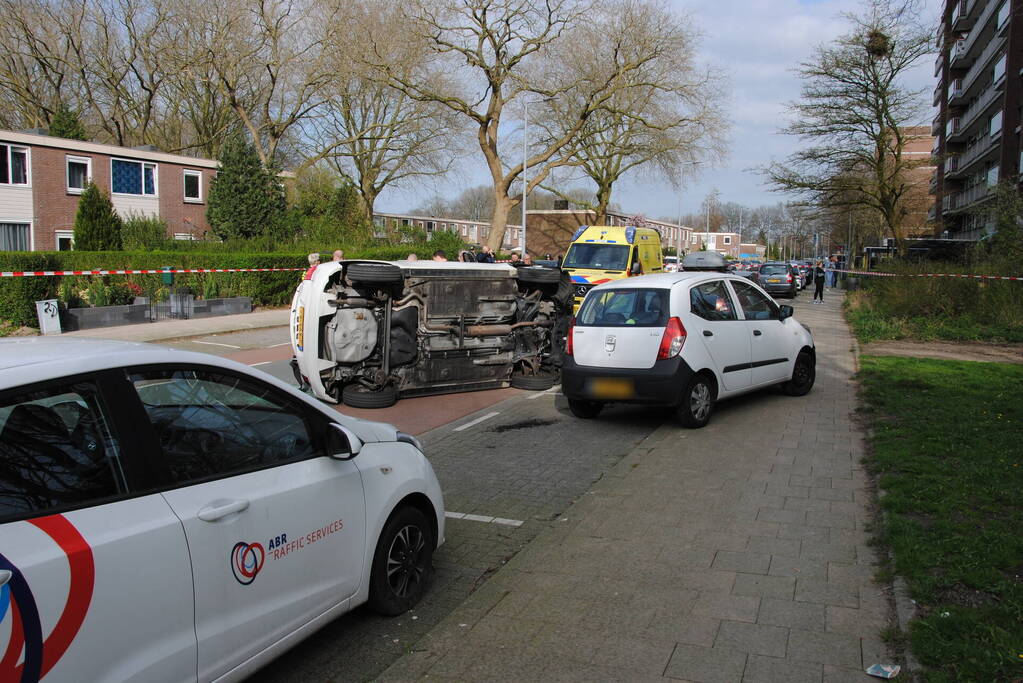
948,449
869,324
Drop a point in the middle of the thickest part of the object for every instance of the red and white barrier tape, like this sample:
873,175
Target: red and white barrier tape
953,275
44,273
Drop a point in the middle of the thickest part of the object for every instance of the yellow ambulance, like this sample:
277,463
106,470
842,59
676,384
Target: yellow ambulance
601,253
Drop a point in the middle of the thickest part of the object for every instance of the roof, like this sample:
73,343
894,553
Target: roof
37,140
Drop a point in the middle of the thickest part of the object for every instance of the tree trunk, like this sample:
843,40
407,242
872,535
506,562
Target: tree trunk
603,199
498,222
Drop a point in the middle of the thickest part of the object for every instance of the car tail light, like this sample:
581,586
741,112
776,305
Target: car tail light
672,340
788,278
568,340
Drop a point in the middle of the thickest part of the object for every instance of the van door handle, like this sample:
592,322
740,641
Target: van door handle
5,576
708,333
219,509
757,333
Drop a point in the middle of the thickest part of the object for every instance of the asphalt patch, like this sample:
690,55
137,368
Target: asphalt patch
523,424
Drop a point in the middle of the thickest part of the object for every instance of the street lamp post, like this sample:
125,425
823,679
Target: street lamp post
678,251
525,167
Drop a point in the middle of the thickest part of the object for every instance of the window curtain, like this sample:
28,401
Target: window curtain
13,236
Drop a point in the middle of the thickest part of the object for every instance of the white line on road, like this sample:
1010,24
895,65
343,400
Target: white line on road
552,390
266,362
287,343
230,346
475,422
483,518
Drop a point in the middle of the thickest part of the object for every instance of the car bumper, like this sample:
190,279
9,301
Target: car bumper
661,384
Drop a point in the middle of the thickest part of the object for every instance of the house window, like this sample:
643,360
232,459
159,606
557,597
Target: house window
14,236
728,240
133,177
65,240
79,173
13,165
193,186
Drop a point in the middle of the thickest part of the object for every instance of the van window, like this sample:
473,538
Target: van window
598,256
625,308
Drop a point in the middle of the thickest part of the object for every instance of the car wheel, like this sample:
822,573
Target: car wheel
532,382
539,275
358,396
402,563
804,372
585,410
375,274
697,402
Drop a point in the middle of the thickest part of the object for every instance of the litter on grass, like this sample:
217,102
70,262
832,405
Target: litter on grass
884,670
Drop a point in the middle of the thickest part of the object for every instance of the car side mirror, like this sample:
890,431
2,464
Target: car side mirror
785,311
637,268
342,443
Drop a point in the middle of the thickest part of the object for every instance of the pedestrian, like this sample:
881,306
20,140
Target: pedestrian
412,257
314,260
339,255
486,255
527,260
515,261
439,255
818,282
829,280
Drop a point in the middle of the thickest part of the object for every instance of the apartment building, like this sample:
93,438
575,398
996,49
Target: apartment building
978,124
472,232
42,178
725,243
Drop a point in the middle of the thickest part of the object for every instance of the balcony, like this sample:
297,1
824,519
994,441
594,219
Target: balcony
1002,21
965,45
951,164
938,63
961,201
979,106
980,66
955,90
952,127
932,213
962,18
936,99
936,126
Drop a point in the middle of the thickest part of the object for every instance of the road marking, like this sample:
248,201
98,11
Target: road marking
483,518
266,362
230,346
552,390
475,422
287,343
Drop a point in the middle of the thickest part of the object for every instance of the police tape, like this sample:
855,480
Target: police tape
952,275
146,271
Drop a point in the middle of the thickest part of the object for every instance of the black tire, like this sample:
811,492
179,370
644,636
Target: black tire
697,402
804,372
539,275
532,382
405,548
375,274
358,396
585,410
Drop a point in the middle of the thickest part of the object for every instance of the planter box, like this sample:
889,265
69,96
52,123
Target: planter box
187,307
103,316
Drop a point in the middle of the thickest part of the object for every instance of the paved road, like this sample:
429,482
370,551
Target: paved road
515,457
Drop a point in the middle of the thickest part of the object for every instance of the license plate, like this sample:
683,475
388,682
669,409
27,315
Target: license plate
611,387
774,279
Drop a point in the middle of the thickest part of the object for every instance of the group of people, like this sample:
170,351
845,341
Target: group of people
314,260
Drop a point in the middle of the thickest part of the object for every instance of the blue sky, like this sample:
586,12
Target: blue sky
757,44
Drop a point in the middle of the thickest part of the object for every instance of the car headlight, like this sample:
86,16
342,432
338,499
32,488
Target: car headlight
408,438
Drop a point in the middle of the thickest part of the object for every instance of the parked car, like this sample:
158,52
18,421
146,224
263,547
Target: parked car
367,332
779,279
671,264
684,340
173,516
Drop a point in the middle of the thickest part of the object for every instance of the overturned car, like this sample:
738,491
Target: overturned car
366,332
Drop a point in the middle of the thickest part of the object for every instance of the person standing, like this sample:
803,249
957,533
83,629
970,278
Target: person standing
439,255
486,255
314,260
829,276
338,255
818,281
515,261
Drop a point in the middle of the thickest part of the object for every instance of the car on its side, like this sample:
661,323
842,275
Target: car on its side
684,340
173,516
778,278
366,332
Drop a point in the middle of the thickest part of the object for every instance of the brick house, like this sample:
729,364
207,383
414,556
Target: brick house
550,231
41,178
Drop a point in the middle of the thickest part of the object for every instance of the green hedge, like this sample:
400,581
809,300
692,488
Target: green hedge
19,294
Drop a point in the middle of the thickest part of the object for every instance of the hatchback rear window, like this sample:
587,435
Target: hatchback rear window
773,270
624,308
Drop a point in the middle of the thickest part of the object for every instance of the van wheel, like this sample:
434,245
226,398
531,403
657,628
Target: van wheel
585,410
697,402
532,382
358,396
375,274
804,372
402,563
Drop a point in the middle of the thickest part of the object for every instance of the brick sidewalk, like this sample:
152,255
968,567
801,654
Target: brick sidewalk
732,553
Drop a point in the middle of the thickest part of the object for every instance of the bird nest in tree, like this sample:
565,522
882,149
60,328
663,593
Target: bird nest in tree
878,44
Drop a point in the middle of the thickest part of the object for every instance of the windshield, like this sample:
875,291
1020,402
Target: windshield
598,256
624,307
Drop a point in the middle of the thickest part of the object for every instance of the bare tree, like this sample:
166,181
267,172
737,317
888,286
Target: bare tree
503,50
670,115
855,113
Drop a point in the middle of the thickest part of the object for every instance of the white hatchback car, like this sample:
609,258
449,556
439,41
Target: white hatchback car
684,340
172,516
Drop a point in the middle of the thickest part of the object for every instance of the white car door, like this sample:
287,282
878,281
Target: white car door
718,328
772,348
275,529
94,585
